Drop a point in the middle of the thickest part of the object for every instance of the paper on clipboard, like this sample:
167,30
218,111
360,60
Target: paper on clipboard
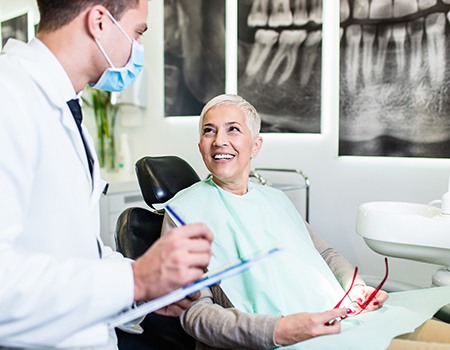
209,279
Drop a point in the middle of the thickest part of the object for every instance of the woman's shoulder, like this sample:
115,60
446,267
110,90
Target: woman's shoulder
200,188
269,190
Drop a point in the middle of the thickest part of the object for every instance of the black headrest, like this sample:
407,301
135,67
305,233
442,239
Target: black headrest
160,178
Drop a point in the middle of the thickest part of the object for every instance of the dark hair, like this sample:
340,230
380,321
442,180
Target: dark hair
57,13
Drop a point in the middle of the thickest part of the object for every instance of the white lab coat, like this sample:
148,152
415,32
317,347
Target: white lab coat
54,289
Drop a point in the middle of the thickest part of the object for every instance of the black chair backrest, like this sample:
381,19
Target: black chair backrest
161,177
136,230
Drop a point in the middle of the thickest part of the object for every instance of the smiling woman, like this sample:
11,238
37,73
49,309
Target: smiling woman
229,140
247,218
307,280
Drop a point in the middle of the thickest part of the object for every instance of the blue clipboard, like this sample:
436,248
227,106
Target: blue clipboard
209,279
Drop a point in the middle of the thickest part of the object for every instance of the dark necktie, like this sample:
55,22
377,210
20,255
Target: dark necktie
78,116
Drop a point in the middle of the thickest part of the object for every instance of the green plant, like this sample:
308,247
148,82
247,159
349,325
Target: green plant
105,109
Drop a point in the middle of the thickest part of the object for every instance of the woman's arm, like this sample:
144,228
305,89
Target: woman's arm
229,328
222,327
339,265
344,271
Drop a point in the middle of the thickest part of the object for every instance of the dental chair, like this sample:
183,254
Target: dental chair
159,178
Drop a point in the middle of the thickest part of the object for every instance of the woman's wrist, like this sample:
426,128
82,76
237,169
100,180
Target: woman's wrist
280,336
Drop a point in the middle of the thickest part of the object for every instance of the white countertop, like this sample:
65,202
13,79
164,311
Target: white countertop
120,182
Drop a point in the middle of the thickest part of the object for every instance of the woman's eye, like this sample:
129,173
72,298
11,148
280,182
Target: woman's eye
207,130
234,128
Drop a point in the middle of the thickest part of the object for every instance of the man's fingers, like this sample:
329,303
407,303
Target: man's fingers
193,231
197,260
175,260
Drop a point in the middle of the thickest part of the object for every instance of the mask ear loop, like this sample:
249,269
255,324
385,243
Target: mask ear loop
104,53
123,32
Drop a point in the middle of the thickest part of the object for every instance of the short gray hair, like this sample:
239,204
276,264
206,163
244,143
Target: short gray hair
251,115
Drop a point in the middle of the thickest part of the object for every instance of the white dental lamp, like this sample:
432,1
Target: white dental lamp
419,232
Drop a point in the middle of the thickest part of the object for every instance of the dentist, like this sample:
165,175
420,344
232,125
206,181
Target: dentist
59,284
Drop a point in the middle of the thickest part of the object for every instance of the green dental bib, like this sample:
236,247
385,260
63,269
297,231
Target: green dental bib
296,280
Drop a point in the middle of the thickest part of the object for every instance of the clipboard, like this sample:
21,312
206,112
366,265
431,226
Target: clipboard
208,279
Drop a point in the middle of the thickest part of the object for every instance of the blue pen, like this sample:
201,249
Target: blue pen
175,215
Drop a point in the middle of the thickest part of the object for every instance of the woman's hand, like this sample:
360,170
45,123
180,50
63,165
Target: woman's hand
302,326
177,308
360,293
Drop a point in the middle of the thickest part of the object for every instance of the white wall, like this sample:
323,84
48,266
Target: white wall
338,184
14,8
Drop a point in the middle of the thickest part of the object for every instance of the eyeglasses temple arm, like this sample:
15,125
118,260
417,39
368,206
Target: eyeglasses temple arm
375,292
349,288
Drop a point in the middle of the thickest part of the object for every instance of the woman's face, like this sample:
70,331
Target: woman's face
227,146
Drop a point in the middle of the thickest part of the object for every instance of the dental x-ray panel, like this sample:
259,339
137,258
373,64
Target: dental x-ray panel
394,90
280,62
194,54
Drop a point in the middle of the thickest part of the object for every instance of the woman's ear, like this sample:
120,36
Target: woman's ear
257,143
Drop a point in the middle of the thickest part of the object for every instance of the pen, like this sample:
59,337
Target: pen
175,215
177,218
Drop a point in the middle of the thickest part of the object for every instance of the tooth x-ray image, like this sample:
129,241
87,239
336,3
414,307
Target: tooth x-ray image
279,59
14,28
394,90
194,54
280,62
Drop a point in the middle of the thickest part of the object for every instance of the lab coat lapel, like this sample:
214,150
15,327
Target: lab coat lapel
98,185
94,180
48,81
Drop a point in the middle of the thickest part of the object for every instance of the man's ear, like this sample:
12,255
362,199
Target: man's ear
97,18
257,144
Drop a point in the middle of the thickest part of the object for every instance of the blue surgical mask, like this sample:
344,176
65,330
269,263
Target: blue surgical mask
118,79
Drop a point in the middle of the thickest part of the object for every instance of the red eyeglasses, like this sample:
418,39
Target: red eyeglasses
356,307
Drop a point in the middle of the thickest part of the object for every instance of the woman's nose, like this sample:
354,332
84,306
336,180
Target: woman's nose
220,143
220,140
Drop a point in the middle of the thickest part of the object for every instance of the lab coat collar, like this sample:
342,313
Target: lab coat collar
44,68
50,76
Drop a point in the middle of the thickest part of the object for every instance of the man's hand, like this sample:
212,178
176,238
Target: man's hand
173,261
